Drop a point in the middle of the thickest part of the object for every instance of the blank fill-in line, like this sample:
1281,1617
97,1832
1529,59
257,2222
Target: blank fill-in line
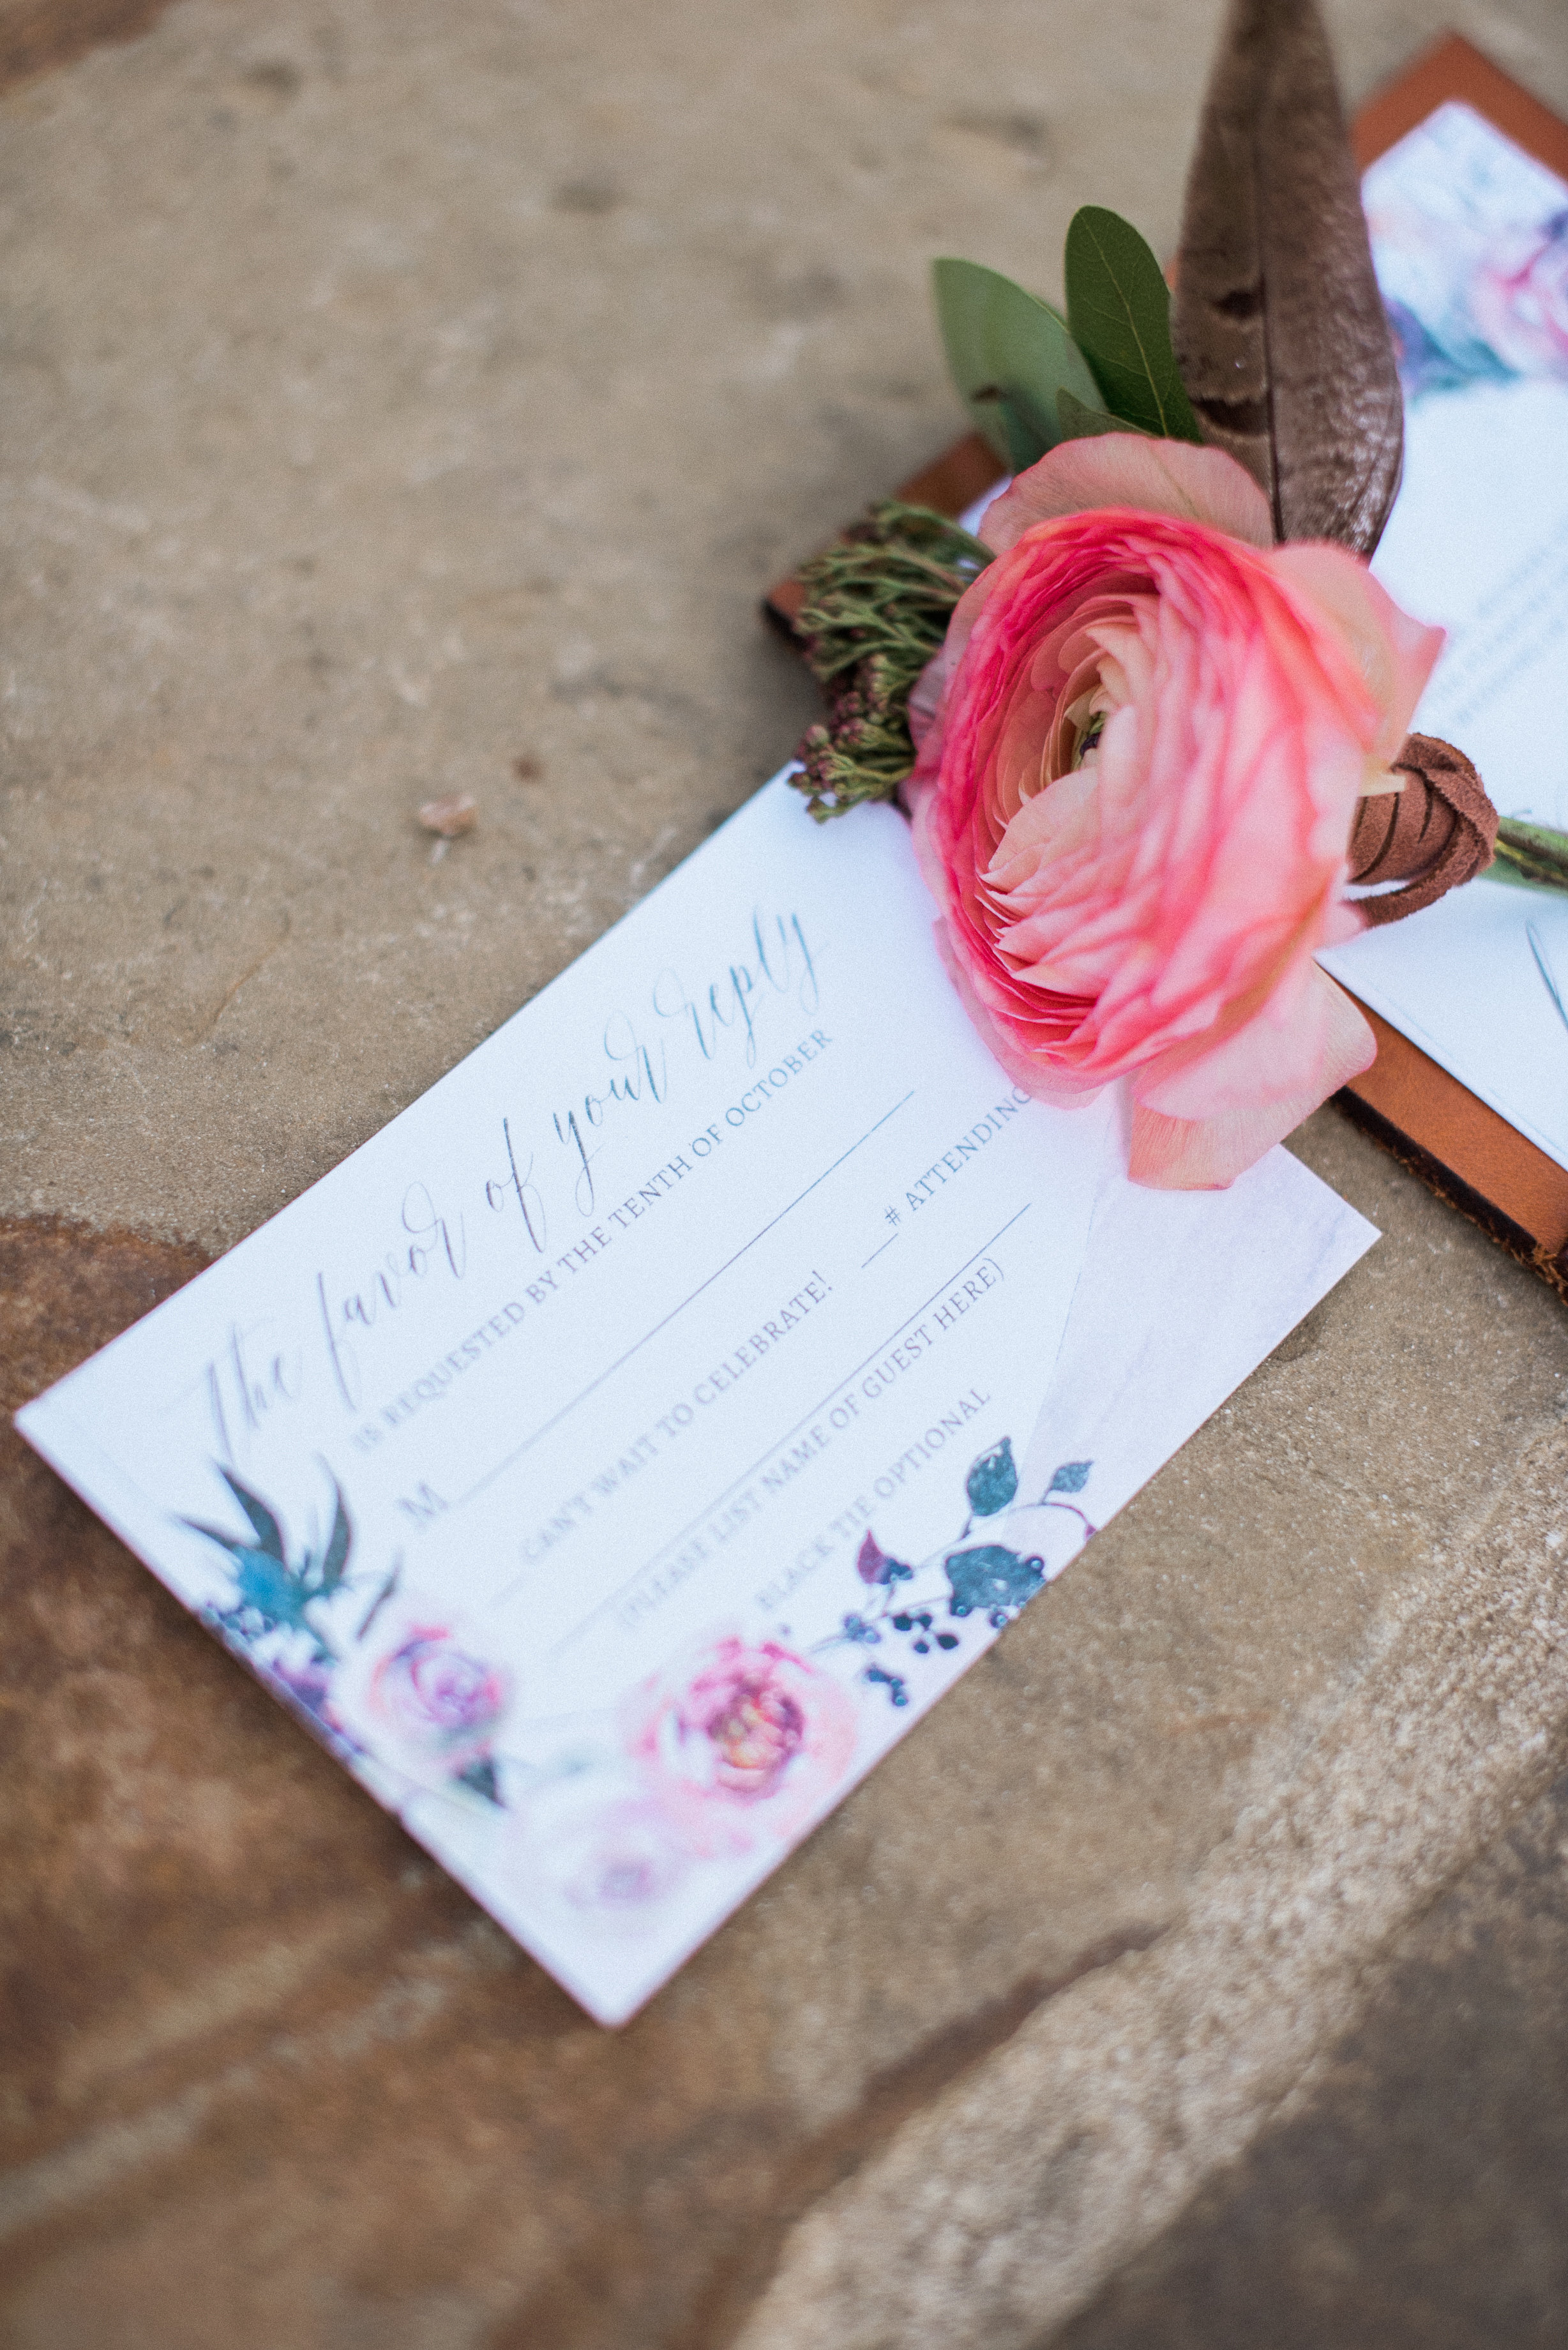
777,1445
1538,949
637,1346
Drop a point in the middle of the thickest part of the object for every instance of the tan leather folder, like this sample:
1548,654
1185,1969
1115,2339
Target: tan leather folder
1465,1151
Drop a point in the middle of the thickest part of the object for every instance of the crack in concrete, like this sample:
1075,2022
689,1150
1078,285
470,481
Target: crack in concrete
891,2098
244,978
569,2309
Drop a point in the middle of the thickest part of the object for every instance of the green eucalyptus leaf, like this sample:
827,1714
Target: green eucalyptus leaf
1010,354
1012,432
1118,307
1080,423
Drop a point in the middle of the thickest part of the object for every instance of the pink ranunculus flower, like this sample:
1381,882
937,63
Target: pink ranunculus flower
744,1735
1141,754
417,1694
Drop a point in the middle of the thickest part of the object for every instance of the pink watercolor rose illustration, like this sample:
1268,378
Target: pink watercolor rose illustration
742,1736
417,1693
609,1859
1141,750
1518,296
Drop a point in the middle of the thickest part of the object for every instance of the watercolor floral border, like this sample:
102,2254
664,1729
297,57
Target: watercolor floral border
1470,245
960,1577
735,1746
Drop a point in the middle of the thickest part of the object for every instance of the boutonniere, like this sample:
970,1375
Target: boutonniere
1151,721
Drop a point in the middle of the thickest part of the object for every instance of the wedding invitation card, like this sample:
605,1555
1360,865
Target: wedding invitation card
1469,236
617,1453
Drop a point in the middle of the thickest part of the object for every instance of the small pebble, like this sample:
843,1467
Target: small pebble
448,818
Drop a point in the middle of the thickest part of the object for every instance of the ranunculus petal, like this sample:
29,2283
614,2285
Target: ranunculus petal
1309,1026
925,696
1123,469
1393,654
1179,1154
1033,1074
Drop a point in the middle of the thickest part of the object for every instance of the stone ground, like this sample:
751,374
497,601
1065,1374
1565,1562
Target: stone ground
405,399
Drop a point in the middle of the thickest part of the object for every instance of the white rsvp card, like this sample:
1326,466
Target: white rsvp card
614,1457
1469,235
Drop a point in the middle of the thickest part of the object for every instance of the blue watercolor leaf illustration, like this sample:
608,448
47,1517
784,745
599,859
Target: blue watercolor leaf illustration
992,1579
268,1533
985,1578
480,1775
336,1556
215,1534
993,1482
272,1593
272,1589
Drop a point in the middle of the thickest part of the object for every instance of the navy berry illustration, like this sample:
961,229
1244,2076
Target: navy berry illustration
962,1578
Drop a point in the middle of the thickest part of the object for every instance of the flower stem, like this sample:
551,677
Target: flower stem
1533,853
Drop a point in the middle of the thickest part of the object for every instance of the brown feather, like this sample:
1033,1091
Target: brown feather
1279,327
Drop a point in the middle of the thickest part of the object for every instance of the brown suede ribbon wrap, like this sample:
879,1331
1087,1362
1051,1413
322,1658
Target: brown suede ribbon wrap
1436,833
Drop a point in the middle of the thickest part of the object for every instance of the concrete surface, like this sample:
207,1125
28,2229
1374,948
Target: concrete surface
1412,2193
404,401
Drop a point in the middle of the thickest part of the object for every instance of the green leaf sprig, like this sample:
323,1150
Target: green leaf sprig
1118,308
1010,354
879,602
1031,377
